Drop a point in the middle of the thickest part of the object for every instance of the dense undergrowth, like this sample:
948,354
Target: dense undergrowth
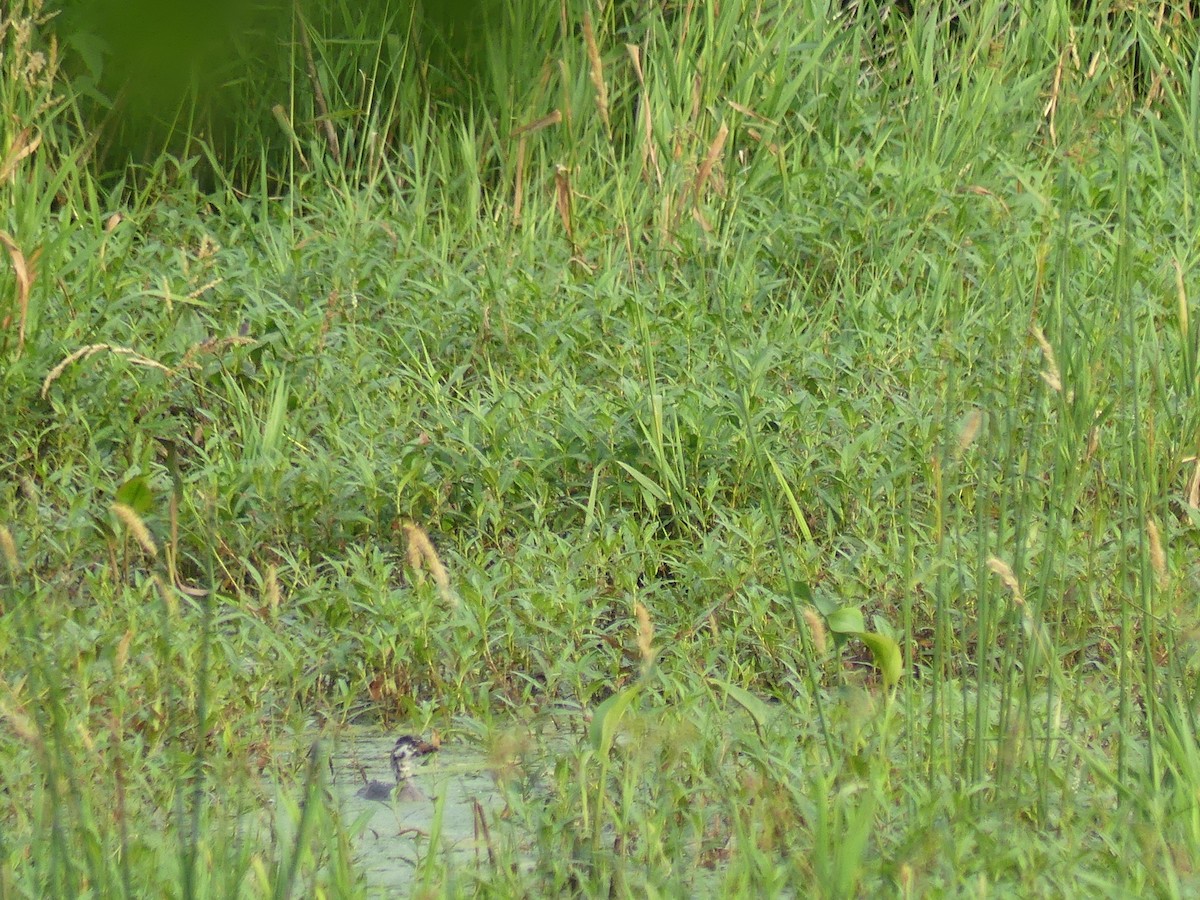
804,397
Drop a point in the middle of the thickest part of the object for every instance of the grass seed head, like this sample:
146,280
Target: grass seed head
596,70
169,599
1004,570
1093,443
91,350
1158,556
416,560
1051,375
971,424
9,548
271,589
422,555
645,639
122,655
21,725
136,527
816,628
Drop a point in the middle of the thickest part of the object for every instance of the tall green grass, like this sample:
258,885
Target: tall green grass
800,396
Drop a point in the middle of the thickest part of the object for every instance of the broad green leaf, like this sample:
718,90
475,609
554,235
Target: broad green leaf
800,590
888,658
649,486
608,718
137,495
758,709
793,504
272,433
827,606
859,824
847,620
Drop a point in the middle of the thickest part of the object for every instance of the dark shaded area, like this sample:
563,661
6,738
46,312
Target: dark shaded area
171,77
155,76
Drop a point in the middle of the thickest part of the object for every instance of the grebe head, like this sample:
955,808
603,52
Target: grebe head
406,750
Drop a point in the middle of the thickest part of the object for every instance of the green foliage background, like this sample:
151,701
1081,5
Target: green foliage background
800,396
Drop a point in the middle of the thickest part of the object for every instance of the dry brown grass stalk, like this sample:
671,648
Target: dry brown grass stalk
518,201
649,148
1050,110
563,199
25,271
413,552
1093,443
708,165
707,173
1193,485
92,349
211,346
314,80
24,144
539,124
519,176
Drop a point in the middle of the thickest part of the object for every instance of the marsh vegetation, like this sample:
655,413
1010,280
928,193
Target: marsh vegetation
761,436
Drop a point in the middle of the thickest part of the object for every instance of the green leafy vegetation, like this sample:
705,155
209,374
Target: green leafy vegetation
767,431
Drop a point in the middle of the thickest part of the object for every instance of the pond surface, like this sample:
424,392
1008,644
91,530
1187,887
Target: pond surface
393,836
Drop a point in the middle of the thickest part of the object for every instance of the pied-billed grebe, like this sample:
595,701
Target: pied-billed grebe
406,750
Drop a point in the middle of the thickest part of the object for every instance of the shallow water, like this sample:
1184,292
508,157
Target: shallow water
395,835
